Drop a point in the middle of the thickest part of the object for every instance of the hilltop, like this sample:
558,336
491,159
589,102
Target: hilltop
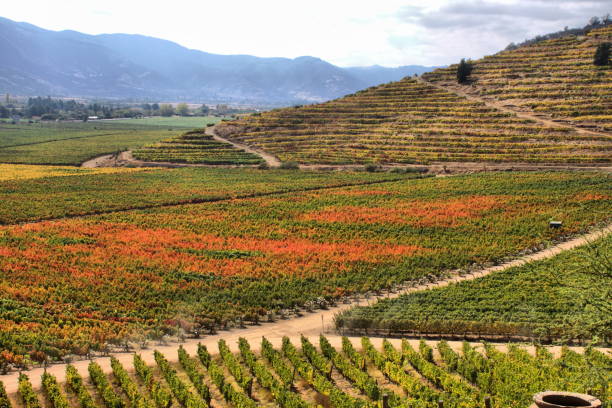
432,119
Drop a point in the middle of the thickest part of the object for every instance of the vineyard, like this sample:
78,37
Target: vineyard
555,77
195,147
72,143
411,121
33,193
548,300
239,264
87,285
339,373
14,172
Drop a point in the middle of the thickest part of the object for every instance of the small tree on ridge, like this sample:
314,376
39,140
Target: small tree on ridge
602,54
464,69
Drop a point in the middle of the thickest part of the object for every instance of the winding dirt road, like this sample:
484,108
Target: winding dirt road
310,324
271,160
126,159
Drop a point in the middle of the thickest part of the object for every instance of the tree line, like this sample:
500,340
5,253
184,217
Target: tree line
47,108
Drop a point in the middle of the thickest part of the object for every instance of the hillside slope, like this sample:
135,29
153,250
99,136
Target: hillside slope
556,78
412,121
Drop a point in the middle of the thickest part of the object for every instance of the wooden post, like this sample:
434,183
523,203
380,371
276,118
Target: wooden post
441,403
385,400
487,401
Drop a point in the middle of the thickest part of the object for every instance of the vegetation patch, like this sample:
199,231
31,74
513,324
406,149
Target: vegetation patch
565,297
196,147
268,254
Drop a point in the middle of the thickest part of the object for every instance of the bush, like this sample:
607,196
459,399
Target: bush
28,396
290,166
464,70
263,166
4,400
372,168
49,116
602,54
54,392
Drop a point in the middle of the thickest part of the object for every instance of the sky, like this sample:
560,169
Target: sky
343,32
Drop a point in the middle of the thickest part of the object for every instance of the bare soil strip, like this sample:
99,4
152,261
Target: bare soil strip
270,160
310,324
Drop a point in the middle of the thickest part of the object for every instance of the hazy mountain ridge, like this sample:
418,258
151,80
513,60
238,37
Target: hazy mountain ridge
68,63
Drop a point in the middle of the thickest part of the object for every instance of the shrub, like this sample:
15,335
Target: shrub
28,396
4,400
464,70
602,54
54,392
290,166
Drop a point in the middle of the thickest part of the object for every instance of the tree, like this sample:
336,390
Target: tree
182,109
166,110
594,21
204,109
602,54
464,71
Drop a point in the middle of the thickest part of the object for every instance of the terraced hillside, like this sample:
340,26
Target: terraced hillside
337,373
555,77
415,122
195,147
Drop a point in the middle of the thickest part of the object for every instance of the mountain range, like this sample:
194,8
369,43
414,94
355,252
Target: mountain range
36,61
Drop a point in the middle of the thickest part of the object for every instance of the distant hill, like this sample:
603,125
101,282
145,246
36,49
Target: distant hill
433,119
376,75
68,63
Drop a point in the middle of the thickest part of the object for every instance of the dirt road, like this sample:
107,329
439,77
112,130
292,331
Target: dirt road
126,159
310,324
271,160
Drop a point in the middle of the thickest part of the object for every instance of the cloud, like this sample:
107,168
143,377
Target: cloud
449,30
522,13
343,32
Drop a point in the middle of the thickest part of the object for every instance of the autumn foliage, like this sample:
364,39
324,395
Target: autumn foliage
84,285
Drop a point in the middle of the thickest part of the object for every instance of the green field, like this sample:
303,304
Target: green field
186,122
549,299
71,143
